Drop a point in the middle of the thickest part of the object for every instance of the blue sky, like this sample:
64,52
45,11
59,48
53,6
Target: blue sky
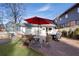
45,10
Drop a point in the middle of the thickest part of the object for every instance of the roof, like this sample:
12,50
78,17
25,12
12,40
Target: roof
75,5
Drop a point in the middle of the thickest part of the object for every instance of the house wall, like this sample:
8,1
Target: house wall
71,18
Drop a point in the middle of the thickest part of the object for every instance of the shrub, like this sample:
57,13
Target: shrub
70,34
64,33
76,33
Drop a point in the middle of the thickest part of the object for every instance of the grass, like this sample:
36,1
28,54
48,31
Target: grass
15,48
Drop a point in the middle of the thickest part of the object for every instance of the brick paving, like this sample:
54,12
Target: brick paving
65,47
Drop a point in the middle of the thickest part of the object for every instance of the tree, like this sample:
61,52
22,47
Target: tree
14,12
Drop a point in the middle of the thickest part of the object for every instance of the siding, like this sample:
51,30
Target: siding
73,15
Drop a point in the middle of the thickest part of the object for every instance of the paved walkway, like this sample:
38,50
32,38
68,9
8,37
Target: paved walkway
65,47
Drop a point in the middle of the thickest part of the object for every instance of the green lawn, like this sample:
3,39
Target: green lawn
14,48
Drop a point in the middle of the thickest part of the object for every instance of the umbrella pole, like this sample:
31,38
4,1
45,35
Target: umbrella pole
38,32
46,35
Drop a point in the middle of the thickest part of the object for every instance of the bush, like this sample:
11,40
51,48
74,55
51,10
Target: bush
76,33
70,34
64,33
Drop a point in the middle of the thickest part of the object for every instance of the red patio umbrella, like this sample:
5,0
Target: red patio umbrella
39,21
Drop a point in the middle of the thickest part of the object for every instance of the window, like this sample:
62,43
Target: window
43,28
60,19
55,27
78,9
56,21
66,16
63,25
77,22
68,24
72,23
50,28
